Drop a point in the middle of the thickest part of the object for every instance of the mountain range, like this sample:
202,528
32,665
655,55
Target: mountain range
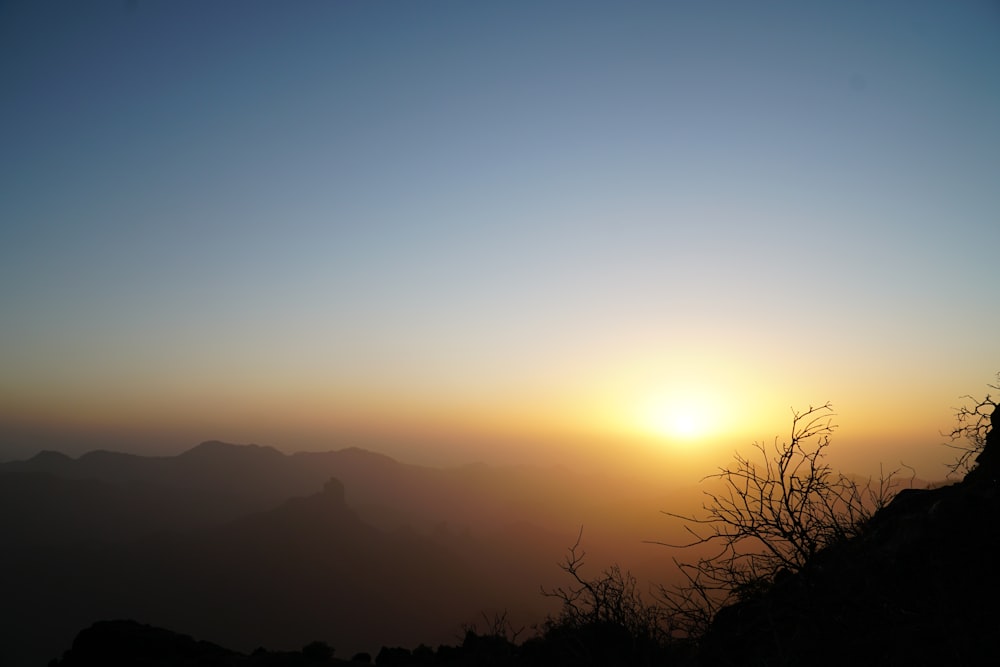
245,545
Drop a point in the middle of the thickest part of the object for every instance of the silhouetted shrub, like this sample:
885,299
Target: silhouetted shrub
972,424
423,656
318,651
391,656
775,512
603,620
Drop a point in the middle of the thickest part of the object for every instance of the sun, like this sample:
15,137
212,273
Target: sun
679,418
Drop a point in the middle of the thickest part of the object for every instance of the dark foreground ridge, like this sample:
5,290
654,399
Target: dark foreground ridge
122,643
126,642
918,586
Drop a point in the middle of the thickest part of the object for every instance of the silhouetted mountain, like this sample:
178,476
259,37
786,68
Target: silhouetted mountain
47,461
41,509
217,481
533,511
220,542
916,587
310,568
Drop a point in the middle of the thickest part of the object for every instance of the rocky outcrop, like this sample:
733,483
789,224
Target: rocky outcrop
121,642
987,470
126,643
918,587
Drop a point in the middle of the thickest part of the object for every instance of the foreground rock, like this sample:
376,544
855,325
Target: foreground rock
919,587
126,643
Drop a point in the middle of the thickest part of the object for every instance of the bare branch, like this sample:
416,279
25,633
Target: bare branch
774,512
972,424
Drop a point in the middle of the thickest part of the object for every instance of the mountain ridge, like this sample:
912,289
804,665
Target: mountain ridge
254,534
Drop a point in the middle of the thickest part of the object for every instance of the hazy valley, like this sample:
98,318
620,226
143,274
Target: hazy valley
247,546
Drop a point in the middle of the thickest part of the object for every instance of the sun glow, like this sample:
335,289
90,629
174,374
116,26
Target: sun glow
678,418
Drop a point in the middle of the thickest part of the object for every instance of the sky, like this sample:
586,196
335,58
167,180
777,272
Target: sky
503,231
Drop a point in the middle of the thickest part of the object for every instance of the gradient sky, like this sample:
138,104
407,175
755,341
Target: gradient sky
495,230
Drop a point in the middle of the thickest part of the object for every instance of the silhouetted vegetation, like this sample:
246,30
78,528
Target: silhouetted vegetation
915,587
814,568
603,620
318,651
972,423
774,513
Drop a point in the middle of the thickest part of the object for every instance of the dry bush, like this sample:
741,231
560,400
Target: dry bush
972,423
776,509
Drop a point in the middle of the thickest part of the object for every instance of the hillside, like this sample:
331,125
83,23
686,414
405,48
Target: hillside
309,568
917,587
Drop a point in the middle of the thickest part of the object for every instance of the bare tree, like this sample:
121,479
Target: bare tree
498,627
611,599
774,512
972,423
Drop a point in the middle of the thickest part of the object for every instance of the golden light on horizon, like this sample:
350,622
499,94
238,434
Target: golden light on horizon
681,418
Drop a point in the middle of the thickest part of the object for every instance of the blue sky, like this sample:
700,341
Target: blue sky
307,222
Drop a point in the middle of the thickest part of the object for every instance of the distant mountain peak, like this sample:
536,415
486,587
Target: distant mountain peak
356,454
367,453
49,456
217,448
107,454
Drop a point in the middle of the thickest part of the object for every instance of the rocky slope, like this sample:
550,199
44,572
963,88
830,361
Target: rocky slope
918,587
